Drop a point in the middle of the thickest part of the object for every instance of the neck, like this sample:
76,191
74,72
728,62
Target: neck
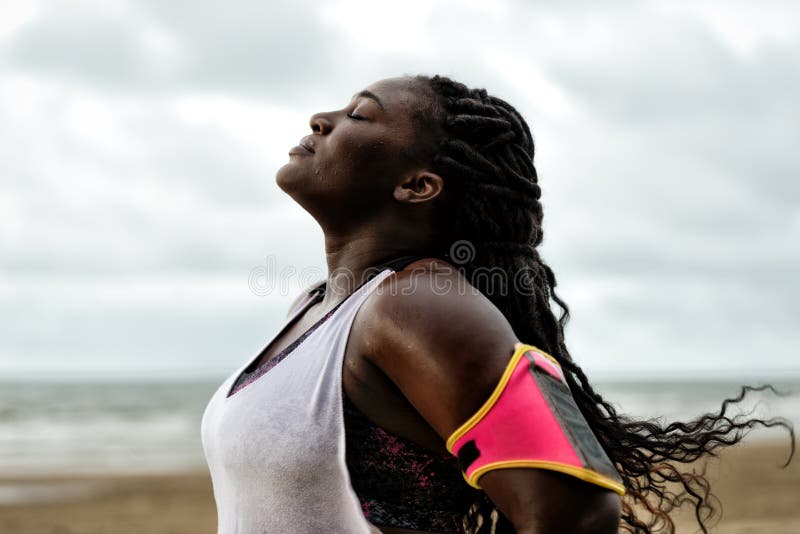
352,258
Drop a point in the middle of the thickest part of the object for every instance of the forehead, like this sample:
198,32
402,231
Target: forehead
398,95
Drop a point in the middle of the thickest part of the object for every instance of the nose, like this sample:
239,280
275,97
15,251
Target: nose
320,124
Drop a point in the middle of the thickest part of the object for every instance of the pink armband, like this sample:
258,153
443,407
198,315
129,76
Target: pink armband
531,420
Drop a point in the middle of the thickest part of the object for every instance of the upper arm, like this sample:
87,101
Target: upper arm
446,352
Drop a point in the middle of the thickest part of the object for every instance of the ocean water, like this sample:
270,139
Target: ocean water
671,401
92,428
74,428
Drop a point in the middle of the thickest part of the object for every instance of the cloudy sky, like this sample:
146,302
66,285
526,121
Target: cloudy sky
139,142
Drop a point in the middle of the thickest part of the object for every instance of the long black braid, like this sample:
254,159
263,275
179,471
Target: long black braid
485,154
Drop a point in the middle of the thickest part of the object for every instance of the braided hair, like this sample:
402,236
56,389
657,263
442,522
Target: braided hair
485,154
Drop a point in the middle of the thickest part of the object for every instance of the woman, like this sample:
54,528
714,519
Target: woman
426,386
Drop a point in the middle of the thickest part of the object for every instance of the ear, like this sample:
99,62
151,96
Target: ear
421,186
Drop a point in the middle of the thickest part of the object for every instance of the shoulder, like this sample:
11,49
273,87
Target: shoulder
433,299
441,341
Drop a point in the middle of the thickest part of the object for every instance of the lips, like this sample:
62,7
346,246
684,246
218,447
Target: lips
305,148
308,144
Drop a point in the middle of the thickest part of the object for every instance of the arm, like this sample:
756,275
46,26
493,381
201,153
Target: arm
446,353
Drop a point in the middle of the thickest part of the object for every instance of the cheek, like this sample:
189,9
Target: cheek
366,161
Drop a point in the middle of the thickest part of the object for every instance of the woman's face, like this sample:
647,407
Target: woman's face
349,164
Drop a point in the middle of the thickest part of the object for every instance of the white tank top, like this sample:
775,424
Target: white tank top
276,448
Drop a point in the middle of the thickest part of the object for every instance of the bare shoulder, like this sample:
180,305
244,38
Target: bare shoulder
441,341
435,302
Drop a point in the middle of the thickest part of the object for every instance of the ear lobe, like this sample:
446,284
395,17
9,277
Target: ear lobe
419,187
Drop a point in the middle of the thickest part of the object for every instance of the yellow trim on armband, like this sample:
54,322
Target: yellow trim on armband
587,475
519,350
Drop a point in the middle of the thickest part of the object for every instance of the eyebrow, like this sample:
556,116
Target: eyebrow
370,94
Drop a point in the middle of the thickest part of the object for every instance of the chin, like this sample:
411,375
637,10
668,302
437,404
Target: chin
294,183
286,179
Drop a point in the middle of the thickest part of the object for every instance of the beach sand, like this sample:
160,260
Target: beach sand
157,504
757,497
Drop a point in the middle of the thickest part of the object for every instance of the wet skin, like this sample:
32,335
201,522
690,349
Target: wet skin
419,362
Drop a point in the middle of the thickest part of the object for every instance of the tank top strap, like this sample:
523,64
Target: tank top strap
395,264
401,262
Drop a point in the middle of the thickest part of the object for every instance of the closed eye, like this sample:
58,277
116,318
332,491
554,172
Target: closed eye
356,117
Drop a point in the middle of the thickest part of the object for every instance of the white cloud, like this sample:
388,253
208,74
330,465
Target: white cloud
544,94
745,27
356,20
15,14
140,141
